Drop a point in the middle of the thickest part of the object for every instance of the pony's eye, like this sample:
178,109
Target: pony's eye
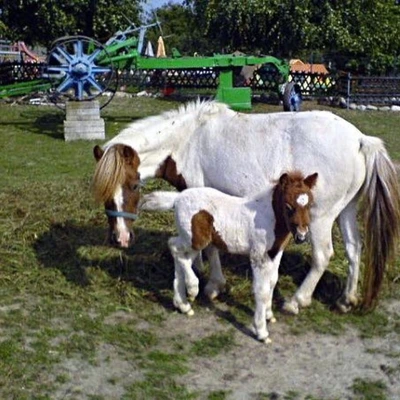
135,187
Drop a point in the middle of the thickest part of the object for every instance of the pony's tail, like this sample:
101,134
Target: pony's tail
382,217
158,201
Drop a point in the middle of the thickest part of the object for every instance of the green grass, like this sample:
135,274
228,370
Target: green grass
65,294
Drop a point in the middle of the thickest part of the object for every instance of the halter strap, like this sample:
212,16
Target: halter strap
123,214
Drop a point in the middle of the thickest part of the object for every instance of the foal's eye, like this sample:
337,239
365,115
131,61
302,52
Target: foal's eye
135,187
289,209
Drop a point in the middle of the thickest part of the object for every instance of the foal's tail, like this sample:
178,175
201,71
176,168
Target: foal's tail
382,216
158,201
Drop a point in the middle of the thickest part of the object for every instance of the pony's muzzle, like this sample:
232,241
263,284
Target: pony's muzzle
123,241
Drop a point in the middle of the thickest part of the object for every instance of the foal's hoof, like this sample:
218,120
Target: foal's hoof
272,320
184,308
192,292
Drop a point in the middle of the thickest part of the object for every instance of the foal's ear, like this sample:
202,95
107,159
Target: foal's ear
98,152
284,179
311,180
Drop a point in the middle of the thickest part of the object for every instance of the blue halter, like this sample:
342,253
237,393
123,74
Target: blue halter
123,214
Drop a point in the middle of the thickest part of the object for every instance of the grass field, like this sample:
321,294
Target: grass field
66,297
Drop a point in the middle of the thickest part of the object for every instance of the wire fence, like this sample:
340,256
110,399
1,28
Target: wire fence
355,89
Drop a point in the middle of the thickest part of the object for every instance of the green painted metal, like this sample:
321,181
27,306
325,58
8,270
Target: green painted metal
236,97
24,88
123,52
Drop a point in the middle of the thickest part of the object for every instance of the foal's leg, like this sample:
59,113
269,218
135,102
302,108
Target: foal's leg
185,278
352,243
322,251
273,280
216,282
262,289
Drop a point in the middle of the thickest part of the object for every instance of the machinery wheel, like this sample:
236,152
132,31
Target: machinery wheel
292,97
80,68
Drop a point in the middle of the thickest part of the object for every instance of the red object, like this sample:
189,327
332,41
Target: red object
168,91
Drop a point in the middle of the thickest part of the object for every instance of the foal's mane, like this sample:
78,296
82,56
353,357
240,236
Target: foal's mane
109,173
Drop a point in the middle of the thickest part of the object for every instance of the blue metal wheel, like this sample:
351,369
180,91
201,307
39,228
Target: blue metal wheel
292,97
80,69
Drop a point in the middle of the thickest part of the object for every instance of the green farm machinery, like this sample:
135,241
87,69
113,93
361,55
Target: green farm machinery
81,68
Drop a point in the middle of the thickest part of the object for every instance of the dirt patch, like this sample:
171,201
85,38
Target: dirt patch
322,366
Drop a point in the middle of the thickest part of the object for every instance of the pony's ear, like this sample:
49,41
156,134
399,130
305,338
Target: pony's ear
311,180
128,153
130,156
98,152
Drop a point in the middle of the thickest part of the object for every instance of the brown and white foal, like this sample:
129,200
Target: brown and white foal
259,227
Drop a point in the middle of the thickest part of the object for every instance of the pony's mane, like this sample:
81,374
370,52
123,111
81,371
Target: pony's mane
203,109
138,132
109,173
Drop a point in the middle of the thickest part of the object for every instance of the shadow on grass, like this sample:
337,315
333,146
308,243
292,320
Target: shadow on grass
50,125
73,248
149,266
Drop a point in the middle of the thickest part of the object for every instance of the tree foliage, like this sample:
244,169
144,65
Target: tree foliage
353,29
43,21
360,35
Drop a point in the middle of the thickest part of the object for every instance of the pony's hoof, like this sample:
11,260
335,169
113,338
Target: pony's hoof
266,340
272,320
212,290
346,305
291,307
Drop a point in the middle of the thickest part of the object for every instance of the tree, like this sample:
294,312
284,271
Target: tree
181,27
43,21
349,28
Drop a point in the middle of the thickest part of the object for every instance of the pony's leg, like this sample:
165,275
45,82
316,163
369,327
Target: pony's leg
322,251
185,278
262,295
198,263
216,282
352,243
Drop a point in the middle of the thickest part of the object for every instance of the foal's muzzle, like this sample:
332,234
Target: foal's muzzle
301,237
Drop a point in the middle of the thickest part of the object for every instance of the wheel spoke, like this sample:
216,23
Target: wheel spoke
95,84
93,56
59,68
65,85
101,70
79,90
63,57
78,48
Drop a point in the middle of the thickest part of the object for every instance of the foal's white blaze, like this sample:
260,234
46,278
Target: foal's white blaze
123,233
302,200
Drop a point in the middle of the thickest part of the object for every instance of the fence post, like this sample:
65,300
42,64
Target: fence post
348,90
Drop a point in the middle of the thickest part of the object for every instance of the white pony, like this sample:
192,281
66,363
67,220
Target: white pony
208,144
258,227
